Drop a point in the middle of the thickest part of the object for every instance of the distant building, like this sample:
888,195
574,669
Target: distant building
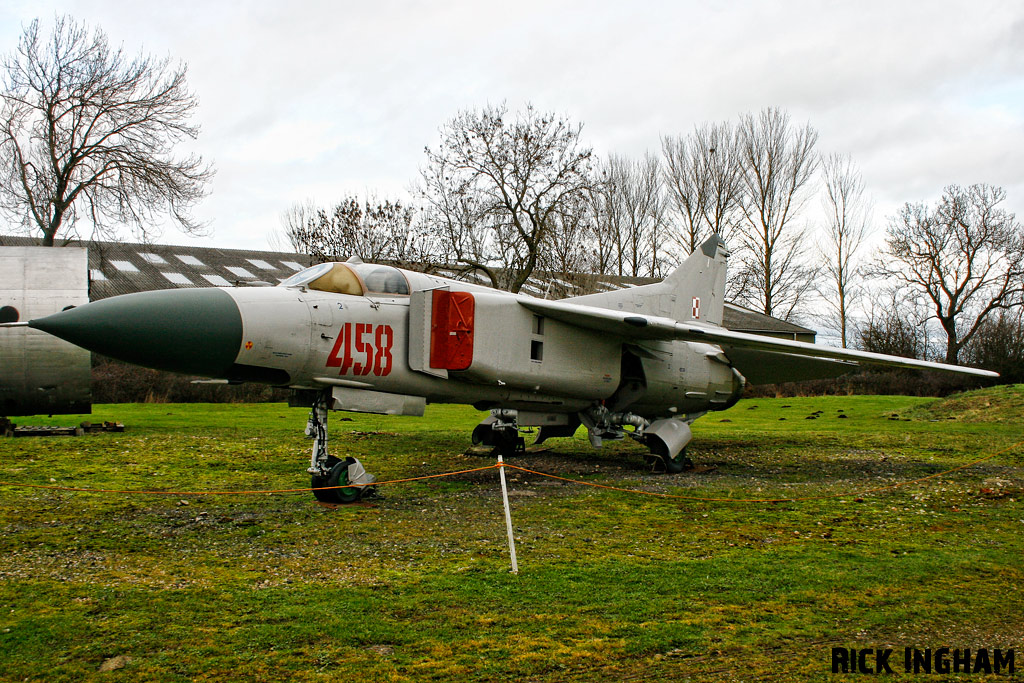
122,267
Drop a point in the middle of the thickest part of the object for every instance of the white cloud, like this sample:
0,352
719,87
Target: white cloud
316,98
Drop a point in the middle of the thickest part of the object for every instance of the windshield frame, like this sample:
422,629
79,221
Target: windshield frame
361,271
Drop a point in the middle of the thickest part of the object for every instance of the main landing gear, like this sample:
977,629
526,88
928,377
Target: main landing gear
659,459
501,434
328,471
666,438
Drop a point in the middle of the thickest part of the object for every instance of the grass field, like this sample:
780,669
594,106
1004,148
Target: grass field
613,585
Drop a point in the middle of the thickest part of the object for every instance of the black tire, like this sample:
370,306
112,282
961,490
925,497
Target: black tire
511,446
317,481
678,464
339,477
671,465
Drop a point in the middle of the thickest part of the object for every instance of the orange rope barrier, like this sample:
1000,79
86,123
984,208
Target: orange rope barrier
528,471
244,493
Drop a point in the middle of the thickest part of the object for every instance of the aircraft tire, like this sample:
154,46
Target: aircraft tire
339,477
511,447
677,464
661,461
318,481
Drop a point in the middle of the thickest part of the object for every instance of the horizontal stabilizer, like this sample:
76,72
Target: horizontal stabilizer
769,367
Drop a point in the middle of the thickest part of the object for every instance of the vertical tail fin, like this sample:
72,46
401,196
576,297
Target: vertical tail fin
699,283
693,291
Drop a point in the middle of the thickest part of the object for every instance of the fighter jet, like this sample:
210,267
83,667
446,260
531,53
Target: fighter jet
642,363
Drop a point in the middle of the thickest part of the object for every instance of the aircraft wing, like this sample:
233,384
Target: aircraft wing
630,325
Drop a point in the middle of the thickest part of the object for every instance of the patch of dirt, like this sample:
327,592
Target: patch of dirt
998,404
115,663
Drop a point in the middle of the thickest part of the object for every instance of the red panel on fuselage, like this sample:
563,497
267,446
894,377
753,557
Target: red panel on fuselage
451,330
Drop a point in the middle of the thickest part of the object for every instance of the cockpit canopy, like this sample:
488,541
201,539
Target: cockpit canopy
357,279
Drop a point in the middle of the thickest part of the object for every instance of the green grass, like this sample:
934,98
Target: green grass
612,585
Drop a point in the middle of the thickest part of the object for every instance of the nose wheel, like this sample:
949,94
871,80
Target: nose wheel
338,474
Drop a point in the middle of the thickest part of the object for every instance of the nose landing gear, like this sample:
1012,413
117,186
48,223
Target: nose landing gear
348,472
328,471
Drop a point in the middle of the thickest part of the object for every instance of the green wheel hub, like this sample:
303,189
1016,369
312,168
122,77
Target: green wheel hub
337,475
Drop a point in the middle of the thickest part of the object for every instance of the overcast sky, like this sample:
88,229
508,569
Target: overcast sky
317,99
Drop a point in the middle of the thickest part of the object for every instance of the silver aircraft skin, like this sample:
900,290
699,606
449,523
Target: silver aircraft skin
39,373
643,362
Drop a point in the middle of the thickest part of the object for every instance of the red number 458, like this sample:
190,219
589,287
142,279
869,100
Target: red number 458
362,348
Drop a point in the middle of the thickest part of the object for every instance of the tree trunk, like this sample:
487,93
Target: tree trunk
952,343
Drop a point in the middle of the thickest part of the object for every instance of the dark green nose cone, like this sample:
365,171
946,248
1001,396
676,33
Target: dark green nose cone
192,331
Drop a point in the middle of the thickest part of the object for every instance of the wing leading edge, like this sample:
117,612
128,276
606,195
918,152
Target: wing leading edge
635,326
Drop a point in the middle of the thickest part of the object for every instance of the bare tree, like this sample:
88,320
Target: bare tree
407,239
966,256
846,227
495,186
999,345
368,228
703,178
569,259
294,222
454,218
777,161
633,214
602,236
646,205
896,325
87,132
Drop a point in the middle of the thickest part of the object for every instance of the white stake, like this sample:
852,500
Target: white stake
508,516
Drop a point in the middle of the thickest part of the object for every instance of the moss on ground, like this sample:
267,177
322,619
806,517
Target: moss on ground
416,587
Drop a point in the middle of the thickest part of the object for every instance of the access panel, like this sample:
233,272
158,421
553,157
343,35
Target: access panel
451,330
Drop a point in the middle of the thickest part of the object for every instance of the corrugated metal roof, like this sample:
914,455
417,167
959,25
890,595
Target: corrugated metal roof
161,266
158,266
738,317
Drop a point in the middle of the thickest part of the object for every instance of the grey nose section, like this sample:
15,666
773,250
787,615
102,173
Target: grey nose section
192,331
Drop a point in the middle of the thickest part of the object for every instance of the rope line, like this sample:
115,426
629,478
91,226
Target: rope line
862,492
244,493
